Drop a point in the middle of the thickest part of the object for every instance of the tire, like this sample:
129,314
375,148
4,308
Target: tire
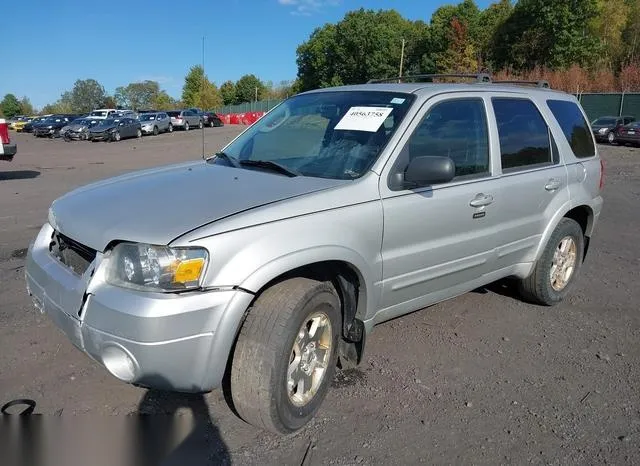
200,124
170,129
139,133
611,137
116,136
155,131
186,126
263,394
541,287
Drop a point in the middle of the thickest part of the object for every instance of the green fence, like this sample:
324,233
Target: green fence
597,105
260,106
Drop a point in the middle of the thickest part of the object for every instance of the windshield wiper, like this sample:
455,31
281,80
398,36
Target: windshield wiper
270,165
225,156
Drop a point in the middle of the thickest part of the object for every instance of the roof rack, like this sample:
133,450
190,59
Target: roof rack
541,83
480,77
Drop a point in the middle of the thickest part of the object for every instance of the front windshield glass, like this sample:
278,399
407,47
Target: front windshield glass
147,117
79,121
107,122
604,121
326,134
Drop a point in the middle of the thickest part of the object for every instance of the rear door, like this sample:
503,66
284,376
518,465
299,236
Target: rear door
533,183
440,239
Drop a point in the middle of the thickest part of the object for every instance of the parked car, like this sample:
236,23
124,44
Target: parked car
51,126
7,149
28,127
104,113
185,119
605,128
212,119
19,125
115,129
343,208
155,123
78,129
11,123
629,134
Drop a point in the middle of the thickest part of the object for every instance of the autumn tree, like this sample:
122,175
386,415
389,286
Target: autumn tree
460,56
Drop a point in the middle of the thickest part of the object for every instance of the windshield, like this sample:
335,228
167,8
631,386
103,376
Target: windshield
326,134
107,122
605,121
79,121
147,117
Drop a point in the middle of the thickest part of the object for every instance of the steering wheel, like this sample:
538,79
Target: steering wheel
268,129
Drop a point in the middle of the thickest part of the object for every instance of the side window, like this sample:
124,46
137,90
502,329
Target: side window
574,126
456,129
524,136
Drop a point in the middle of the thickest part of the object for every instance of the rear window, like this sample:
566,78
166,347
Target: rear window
173,114
574,126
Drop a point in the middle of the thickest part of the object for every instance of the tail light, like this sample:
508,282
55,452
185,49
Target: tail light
4,133
601,174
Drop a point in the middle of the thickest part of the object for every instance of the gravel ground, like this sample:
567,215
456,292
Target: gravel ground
482,379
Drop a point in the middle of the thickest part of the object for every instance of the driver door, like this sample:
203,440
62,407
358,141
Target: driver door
438,240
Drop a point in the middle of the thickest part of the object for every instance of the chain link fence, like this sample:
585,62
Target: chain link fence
259,106
614,104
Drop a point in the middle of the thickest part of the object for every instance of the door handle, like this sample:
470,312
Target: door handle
481,200
553,184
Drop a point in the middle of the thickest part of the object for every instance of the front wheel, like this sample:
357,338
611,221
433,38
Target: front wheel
116,136
557,267
155,131
170,128
611,137
200,124
139,133
186,126
285,356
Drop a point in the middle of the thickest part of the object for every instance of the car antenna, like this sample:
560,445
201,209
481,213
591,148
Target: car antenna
202,98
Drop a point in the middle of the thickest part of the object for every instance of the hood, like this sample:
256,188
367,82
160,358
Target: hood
76,127
157,206
101,128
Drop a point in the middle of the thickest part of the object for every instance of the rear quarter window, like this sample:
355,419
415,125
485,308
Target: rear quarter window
574,126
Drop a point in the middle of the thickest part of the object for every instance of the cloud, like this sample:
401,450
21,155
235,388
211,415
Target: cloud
307,7
158,79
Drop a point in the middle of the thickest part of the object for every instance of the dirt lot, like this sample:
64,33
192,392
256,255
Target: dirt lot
483,378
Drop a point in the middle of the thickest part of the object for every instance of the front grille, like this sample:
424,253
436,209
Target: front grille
74,255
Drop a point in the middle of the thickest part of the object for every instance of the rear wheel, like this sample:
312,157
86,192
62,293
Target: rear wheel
186,126
557,267
170,128
285,356
155,130
200,124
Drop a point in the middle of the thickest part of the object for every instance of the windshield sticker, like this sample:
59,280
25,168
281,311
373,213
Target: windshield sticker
397,100
364,119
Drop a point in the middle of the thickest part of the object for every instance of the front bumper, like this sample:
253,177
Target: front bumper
164,341
99,136
8,151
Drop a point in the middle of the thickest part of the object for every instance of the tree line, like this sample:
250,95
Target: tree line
577,45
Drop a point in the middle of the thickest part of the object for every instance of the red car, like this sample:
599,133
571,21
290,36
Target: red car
7,150
629,134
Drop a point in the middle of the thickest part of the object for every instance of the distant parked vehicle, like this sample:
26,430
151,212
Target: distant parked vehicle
629,134
104,113
605,128
185,119
78,129
212,119
51,126
115,129
19,125
155,123
28,127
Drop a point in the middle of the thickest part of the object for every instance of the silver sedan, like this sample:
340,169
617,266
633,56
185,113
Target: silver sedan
155,123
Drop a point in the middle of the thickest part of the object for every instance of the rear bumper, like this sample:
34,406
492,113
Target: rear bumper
628,139
8,151
164,341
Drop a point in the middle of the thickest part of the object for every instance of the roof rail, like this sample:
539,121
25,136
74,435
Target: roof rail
479,77
541,83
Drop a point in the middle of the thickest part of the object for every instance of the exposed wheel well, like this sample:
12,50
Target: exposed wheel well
583,215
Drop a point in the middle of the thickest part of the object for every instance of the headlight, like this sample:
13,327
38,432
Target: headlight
156,268
602,130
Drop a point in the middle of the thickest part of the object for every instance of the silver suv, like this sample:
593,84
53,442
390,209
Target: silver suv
271,261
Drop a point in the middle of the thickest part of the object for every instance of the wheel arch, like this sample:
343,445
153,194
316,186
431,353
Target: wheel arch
583,214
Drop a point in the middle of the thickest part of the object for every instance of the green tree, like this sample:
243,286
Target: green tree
138,96
489,21
110,102
631,33
198,91
25,106
547,33
10,106
228,92
608,26
163,101
86,95
365,44
246,89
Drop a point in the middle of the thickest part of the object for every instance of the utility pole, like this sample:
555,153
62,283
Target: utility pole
401,59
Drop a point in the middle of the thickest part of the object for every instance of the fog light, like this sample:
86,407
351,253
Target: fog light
119,362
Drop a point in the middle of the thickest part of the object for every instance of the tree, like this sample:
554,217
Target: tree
631,32
138,95
10,106
163,101
246,89
110,102
86,95
489,21
25,106
608,26
198,91
460,56
228,92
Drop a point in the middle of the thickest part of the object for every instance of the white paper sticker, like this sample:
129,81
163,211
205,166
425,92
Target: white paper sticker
397,100
364,119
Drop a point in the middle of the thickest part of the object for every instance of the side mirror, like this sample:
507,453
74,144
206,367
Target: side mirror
425,171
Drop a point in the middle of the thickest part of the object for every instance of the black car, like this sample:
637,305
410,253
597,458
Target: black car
212,119
28,128
606,127
115,129
51,126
